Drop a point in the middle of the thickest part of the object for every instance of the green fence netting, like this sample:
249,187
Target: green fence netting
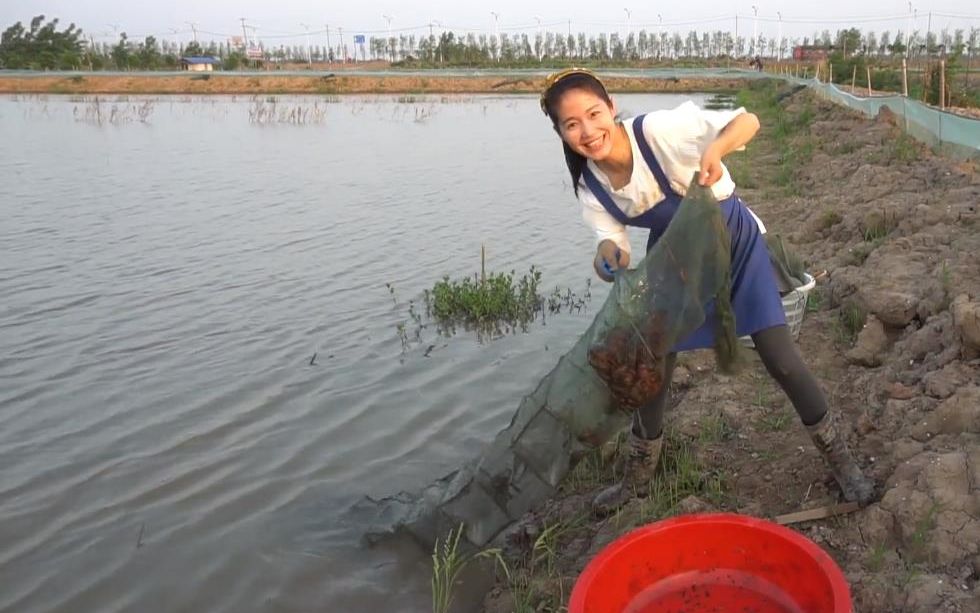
952,134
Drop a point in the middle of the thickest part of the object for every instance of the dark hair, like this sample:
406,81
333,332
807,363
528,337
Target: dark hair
582,81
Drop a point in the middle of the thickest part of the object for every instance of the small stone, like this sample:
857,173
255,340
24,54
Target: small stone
872,343
898,391
944,383
966,317
864,425
693,504
957,414
681,377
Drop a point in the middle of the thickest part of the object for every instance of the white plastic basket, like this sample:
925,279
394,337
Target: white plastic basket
794,304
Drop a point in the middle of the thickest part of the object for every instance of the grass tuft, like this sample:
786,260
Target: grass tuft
815,300
447,565
849,323
776,421
828,220
715,429
681,474
905,148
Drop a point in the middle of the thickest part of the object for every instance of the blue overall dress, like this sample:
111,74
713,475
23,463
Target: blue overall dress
755,297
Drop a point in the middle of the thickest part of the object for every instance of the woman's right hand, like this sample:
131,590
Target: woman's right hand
609,258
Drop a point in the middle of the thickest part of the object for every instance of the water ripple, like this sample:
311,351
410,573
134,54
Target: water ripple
165,441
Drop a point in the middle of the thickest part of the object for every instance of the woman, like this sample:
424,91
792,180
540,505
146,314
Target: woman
634,172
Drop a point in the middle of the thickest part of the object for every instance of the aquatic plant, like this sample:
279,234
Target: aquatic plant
491,304
481,300
447,565
98,112
270,112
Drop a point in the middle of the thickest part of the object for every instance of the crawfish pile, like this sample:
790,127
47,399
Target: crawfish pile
630,359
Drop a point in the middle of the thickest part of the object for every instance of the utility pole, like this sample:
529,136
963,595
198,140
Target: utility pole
735,42
391,43
908,32
174,32
755,29
326,26
572,54
538,40
779,37
439,46
432,40
660,43
496,31
628,15
343,45
309,45
928,34
244,33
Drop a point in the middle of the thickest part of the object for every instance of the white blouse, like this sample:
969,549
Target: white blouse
678,138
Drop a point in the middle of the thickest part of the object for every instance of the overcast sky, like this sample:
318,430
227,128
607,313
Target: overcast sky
280,21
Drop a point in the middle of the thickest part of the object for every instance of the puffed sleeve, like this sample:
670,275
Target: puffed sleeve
686,131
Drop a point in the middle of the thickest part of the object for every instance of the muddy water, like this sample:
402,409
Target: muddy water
169,268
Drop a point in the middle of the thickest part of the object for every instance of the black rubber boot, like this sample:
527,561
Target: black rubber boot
829,440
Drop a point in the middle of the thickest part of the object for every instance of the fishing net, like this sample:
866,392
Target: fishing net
789,268
616,366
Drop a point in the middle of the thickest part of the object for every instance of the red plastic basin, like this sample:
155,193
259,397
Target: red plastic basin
716,562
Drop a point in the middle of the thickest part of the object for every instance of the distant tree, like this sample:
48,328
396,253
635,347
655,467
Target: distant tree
898,45
958,46
871,44
884,45
615,48
121,56
233,61
41,46
148,56
193,48
848,41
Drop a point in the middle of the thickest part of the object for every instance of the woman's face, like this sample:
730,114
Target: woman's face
587,123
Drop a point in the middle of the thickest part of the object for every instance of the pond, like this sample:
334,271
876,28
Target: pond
171,266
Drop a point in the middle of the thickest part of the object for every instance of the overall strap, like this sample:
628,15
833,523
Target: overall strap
603,196
651,159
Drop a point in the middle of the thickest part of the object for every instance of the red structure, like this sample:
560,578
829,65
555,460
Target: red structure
810,53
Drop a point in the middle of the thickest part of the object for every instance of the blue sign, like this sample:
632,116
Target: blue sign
358,39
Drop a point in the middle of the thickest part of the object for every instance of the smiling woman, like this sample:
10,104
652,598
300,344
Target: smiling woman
635,172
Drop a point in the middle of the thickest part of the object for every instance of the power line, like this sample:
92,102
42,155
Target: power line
835,20
567,23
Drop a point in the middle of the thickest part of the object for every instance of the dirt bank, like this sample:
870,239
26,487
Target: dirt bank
328,83
892,331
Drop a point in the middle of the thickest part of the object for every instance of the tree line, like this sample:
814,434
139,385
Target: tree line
42,46
449,48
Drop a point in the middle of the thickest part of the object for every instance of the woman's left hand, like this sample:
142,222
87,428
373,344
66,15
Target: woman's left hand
710,167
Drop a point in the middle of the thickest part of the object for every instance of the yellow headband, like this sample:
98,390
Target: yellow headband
552,79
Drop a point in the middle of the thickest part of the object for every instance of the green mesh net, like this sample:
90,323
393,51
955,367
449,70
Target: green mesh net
616,366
